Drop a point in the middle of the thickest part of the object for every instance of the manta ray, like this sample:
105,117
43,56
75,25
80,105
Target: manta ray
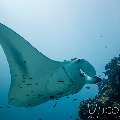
35,78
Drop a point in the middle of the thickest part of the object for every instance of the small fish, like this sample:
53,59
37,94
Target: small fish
40,95
70,116
60,81
28,84
36,83
24,61
60,93
1,107
27,95
76,92
32,91
106,46
30,77
101,36
8,106
73,59
55,105
87,87
28,105
39,118
67,97
16,75
74,99
52,97
23,81
20,87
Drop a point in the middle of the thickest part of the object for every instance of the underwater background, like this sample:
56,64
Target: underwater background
61,30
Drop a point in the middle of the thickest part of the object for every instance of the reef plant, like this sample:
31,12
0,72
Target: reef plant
106,104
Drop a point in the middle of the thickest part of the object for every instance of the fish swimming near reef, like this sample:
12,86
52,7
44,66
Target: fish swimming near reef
35,78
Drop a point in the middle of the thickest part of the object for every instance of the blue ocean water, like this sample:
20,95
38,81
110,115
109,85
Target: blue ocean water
61,30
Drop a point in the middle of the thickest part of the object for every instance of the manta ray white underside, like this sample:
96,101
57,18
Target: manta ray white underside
35,78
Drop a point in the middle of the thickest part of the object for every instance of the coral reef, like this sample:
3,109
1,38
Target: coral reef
106,105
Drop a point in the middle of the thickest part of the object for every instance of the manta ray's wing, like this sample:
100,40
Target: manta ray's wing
27,65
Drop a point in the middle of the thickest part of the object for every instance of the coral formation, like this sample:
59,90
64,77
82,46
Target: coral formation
106,105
